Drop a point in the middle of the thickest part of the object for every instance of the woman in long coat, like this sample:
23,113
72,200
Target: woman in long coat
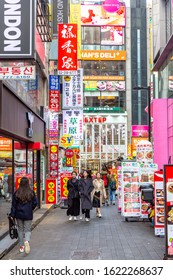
98,194
73,197
85,188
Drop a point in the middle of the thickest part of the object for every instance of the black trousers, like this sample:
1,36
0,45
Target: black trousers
74,209
86,212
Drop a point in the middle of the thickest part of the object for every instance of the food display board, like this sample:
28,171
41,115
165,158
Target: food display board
168,188
130,190
144,151
159,210
146,175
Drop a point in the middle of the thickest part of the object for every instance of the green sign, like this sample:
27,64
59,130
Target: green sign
104,109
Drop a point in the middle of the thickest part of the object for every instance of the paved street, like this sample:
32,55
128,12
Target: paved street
107,238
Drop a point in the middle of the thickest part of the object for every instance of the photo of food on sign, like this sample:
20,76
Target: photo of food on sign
170,215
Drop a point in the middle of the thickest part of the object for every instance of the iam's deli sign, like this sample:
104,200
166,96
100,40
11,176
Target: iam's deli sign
103,55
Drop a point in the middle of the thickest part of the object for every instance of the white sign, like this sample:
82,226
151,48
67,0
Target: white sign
17,73
73,123
73,90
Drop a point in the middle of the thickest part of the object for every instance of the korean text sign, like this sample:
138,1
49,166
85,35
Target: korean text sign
64,177
67,47
51,191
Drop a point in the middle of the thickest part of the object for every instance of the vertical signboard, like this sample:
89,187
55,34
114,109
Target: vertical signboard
67,49
73,90
17,29
53,128
64,177
159,204
60,14
75,17
73,123
168,189
53,161
54,93
51,191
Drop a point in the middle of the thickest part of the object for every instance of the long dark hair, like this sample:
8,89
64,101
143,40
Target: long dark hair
24,192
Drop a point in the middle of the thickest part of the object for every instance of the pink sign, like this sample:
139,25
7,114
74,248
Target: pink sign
111,6
139,130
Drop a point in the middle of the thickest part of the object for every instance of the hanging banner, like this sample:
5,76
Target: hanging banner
60,14
168,189
54,93
53,128
67,49
53,161
73,123
51,191
73,90
64,177
159,228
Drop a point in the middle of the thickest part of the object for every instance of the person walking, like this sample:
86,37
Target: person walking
73,197
23,203
112,189
98,193
85,189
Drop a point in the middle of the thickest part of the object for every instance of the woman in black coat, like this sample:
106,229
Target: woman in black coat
85,188
73,197
23,203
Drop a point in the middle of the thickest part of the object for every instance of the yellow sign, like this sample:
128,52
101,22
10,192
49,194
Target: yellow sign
75,17
66,140
103,55
54,149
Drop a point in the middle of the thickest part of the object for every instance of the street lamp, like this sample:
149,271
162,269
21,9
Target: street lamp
149,112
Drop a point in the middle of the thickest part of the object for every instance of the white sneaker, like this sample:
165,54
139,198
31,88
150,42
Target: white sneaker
27,247
81,217
70,218
87,220
75,218
100,215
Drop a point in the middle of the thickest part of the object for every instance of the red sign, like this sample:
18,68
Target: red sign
64,177
94,120
67,47
159,204
168,188
51,191
53,161
69,153
54,100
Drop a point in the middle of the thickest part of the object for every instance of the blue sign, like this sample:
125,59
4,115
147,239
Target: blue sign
54,82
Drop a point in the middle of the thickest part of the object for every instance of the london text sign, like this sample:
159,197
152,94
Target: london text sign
17,28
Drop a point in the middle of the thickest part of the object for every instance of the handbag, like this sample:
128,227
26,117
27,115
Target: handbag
13,232
96,200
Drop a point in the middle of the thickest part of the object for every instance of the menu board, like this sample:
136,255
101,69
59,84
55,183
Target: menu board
130,190
168,187
146,176
159,228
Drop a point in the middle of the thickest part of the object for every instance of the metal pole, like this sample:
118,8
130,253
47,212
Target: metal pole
149,114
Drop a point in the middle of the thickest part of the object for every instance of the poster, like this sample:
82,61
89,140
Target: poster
159,218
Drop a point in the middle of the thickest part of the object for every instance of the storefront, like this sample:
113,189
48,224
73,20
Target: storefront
22,144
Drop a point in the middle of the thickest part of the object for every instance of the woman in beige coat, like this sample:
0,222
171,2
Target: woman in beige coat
98,193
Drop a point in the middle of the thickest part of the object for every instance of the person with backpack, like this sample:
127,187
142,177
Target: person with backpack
112,189
23,203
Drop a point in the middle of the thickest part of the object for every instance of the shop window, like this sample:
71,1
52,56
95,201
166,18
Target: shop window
19,161
103,68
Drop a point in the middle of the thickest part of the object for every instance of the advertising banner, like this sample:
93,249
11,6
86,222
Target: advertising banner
112,35
18,73
64,177
73,123
54,93
159,226
103,55
75,16
5,144
168,188
103,78
130,190
100,15
17,29
110,86
53,157
67,49
51,191
53,128
139,130
60,14
73,90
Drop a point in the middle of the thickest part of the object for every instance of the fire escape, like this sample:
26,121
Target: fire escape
43,20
